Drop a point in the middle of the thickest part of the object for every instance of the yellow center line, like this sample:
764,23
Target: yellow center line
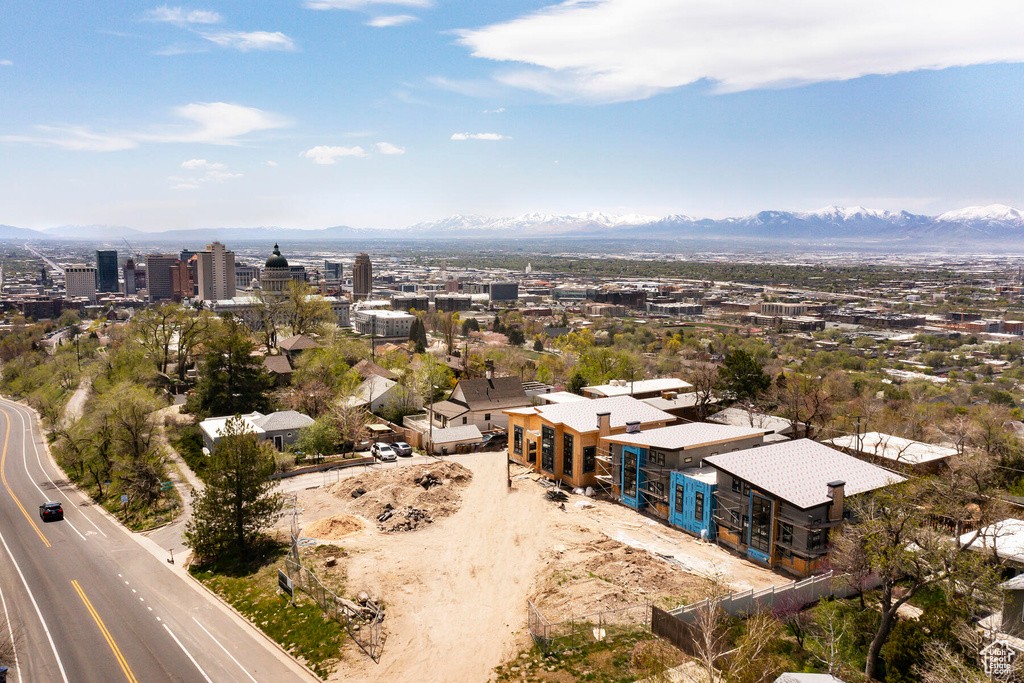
3,477
106,634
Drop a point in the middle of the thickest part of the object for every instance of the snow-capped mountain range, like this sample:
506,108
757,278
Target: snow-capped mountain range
991,224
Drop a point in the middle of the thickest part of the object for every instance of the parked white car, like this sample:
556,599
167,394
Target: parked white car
383,452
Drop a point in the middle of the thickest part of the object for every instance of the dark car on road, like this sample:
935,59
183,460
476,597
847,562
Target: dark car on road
51,510
402,448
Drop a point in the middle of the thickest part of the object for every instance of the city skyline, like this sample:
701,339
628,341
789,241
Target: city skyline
386,114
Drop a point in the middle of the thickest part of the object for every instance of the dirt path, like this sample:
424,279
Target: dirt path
185,481
76,404
453,604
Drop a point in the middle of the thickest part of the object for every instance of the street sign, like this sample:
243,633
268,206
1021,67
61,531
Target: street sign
124,498
285,582
166,486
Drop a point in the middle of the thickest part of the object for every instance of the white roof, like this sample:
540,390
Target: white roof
581,416
1005,537
561,397
894,448
642,386
693,435
457,434
739,417
373,387
800,471
214,426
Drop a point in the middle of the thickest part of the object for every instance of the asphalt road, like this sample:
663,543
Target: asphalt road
89,603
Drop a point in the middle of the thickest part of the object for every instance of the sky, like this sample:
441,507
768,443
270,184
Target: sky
378,114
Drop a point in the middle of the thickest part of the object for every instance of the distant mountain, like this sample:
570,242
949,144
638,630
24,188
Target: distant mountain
996,223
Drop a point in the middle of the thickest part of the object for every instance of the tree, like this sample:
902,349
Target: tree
448,326
305,311
704,378
538,343
576,383
320,438
516,336
238,504
743,375
232,381
418,335
191,330
156,332
470,325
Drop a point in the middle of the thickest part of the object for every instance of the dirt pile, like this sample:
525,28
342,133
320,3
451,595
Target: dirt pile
605,574
333,528
406,498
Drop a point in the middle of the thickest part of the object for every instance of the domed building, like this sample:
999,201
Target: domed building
276,274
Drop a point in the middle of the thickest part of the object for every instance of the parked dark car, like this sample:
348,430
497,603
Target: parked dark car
496,441
51,510
402,448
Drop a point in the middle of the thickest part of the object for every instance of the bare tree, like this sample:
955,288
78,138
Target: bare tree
827,636
704,378
755,659
941,664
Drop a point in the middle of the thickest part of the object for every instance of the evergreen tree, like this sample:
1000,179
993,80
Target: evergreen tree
743,375
516,336
576,383
232,381
238,503
538,344
418,335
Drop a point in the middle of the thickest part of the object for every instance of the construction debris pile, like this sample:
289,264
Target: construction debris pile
556,496
405,498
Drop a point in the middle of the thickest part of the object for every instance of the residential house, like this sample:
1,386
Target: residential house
781,428
367,369
777,504
641,388
454,439
567,435
662,470
280,429
896,452
279,367
479,402
377,393
1002,541
294,346
1012,615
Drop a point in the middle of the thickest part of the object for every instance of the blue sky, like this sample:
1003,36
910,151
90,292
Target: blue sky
312,113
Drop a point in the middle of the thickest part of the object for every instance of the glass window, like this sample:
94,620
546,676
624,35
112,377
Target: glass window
589,459
816,539
547,449
680,498
687,460
698,505
786,533
517,440
760,524
737,485
531,448
629,473
487,417
464,420
567,448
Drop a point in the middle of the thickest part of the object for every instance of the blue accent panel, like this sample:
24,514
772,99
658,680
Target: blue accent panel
686,518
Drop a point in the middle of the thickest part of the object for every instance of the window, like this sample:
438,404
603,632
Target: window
746,489
567,448
464,420
698,505
517,440
737,485
547,449
680,498
786,533
760,524
815,539
531,450
687,461
487,417
657,458
589,459
629,459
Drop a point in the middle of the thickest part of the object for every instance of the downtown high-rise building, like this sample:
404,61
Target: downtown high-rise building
129,277
362,278
215,273
158,276
106,270
80,282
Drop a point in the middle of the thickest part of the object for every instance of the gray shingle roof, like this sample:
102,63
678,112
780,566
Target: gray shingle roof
494,394
687,435
581,416
800,471
457,434
283,419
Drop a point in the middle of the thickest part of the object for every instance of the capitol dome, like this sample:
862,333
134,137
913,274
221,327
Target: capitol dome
276,260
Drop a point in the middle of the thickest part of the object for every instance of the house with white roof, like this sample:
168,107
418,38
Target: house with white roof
562,440
280,429
662,470
777,504
896,452
641,388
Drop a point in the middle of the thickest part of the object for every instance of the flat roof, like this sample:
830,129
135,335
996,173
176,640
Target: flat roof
693,435
1005,537
894,448
640,386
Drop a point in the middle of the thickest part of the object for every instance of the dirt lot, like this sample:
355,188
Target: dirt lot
456,589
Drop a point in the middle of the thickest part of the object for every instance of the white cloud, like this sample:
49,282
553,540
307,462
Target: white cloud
179,16
6,62
185,186
393,20
323,154
214,123
270,163
388,148
194,164
499,110
253,40
613,50
478,136
363,4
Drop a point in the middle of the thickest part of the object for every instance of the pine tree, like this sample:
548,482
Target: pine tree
238,503
418,335
232,381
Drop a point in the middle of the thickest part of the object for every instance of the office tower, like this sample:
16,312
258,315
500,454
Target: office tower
333,272
245,275
215,273
362,278
276,274
182,280
80,281
158,276
106,270
298,273
129,277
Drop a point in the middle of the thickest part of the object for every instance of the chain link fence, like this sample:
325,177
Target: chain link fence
584,630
